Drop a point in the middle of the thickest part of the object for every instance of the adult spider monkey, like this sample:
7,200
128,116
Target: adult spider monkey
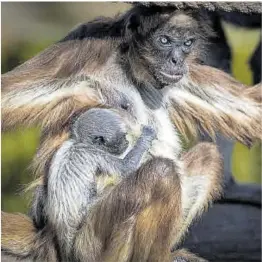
138,58
121,214
128,50
52,86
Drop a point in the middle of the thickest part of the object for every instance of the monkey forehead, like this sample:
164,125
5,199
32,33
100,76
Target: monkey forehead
182,20
100,115
97,121
180,23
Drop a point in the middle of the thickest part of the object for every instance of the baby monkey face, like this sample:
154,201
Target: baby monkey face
103,128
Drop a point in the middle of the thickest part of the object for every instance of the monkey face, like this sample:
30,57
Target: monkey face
165,46
103,128
169,47
114,142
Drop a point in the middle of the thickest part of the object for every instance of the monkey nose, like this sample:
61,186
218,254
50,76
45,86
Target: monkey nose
174,60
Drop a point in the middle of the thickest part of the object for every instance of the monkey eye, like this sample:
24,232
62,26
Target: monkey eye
164,40
188,42
99,140
125,106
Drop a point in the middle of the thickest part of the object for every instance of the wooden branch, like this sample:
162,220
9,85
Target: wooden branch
242,7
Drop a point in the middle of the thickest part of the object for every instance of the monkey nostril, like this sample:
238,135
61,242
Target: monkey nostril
174,61
99,139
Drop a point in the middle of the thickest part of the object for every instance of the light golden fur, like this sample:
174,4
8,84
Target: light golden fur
139,219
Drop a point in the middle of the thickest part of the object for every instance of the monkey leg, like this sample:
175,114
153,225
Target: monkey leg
48,103
136,220
201,183
158,224
139,219
20,241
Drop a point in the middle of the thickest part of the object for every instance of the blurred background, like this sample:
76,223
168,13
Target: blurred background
28,28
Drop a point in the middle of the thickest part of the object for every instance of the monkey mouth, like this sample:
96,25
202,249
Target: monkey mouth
173,78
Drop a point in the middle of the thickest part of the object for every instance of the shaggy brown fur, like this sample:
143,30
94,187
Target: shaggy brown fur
137,220
213,84
52,86
254,93
142,216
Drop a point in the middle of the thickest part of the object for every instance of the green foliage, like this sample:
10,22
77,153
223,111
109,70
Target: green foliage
18,149
246,163
17,53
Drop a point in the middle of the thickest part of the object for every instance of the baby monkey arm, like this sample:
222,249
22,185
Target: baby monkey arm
132,160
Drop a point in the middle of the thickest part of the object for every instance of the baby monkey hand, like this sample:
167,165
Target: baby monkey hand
149,133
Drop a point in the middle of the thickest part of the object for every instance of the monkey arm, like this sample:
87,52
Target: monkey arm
46,89
47,102
213,100
254,92
133,159
243,7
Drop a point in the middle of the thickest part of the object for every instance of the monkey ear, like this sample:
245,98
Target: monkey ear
132,26
142,20
138,21
133,23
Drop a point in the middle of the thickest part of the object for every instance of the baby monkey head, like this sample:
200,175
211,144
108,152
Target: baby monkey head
164,44
103,128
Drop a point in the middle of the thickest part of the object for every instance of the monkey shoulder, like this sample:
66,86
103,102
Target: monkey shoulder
73,156
100,28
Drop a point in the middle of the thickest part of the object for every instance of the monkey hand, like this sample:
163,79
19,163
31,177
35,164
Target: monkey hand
148,132
182,255
182,259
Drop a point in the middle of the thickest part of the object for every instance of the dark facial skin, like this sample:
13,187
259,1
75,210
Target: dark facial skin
102,128
165,49
172,48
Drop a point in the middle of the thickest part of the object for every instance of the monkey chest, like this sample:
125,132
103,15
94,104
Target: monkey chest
168,143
